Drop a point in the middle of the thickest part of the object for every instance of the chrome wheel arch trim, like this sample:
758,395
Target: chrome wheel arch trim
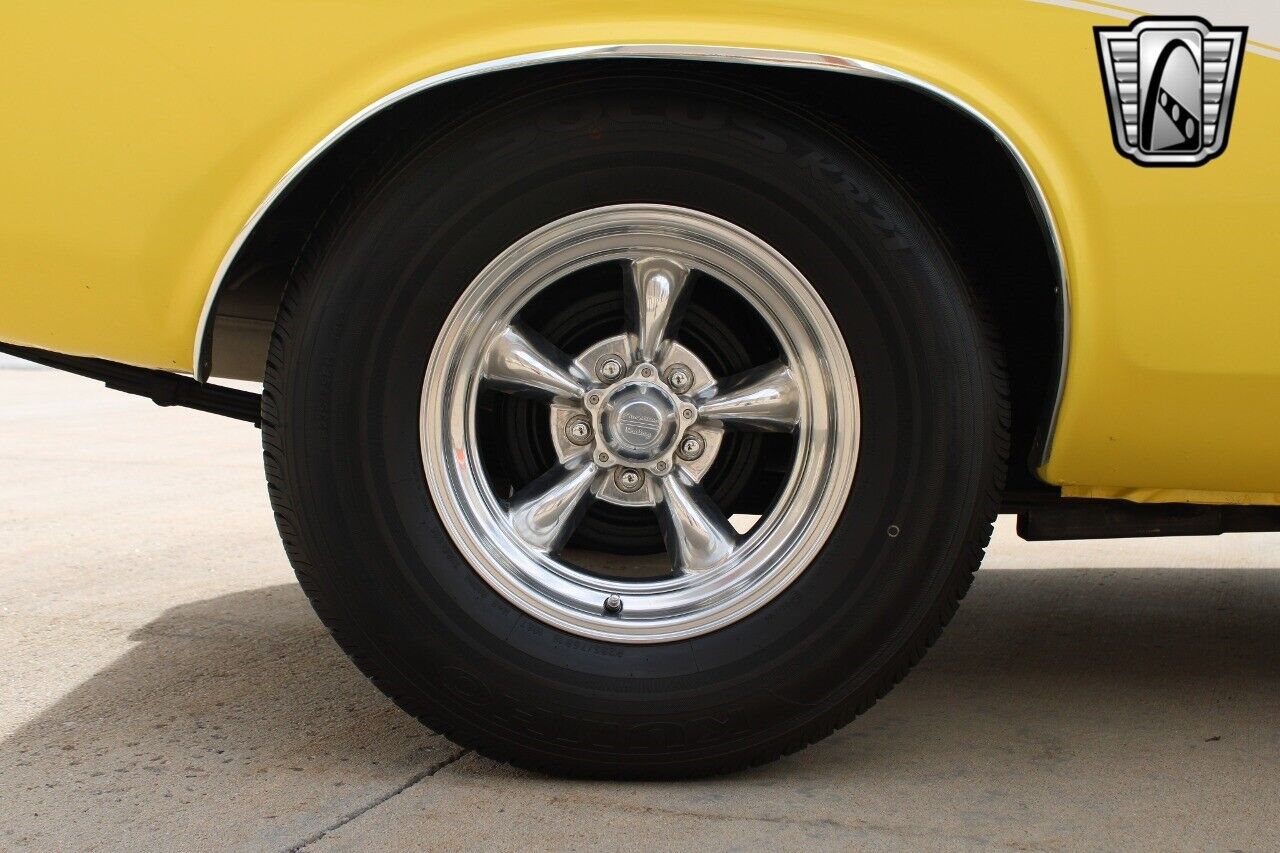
704,53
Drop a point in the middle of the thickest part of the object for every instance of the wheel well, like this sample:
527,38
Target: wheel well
953,165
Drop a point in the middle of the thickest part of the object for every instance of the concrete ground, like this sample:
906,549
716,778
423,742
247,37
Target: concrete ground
165,685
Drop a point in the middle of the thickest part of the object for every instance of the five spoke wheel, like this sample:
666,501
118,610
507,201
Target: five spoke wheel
637,419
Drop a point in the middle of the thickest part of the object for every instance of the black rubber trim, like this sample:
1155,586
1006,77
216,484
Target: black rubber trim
1090,518
162,388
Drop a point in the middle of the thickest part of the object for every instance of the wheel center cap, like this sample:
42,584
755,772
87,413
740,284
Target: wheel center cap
639,421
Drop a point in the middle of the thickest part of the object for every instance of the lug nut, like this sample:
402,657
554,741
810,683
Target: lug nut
578,429
613,604
629,479
679,377
609,368
691,447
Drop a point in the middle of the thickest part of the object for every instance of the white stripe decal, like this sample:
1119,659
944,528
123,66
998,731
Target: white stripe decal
1262,17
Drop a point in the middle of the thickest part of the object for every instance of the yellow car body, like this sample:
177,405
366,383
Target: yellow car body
143,138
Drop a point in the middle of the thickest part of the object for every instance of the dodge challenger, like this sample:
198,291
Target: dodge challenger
639,384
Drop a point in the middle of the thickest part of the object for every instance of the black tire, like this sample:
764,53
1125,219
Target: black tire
341,435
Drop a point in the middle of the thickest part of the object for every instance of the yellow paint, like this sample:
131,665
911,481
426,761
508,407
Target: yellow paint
140,136
1173,496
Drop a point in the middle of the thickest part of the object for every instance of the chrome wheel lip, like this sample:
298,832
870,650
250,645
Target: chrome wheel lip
768,559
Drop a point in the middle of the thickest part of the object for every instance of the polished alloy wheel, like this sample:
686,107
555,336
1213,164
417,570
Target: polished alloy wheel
638,420
563,437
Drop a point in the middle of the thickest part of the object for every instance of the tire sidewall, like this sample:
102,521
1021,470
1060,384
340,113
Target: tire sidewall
413,611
